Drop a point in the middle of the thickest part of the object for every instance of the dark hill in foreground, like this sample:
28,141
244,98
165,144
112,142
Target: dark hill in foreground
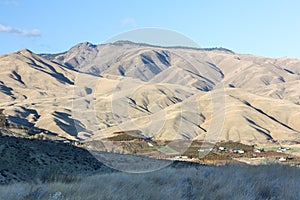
26,160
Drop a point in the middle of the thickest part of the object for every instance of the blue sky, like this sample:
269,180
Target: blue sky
262,27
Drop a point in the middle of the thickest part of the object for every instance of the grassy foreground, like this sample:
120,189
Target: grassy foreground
203,182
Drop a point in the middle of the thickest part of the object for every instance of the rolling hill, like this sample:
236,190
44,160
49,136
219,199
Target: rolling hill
93,91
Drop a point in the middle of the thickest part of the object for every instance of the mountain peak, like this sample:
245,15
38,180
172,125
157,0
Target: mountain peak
85,45
24,51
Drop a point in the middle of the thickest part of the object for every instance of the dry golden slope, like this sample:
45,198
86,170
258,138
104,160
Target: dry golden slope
166,93
34,89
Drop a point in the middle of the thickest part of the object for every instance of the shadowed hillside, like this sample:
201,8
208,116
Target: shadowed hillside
27,160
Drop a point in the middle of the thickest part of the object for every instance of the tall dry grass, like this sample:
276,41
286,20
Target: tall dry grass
206,182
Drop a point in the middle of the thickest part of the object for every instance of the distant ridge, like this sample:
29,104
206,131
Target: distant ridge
121,42
51,56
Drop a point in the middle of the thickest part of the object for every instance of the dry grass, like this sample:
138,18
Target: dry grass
205,182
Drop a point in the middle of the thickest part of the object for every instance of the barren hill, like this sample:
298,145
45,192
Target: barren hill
93,91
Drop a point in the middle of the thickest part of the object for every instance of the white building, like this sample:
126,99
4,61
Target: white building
150,145
238,151
282,159
181,157
222,148
257,151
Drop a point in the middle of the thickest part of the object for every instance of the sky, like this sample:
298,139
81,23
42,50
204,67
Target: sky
262,27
